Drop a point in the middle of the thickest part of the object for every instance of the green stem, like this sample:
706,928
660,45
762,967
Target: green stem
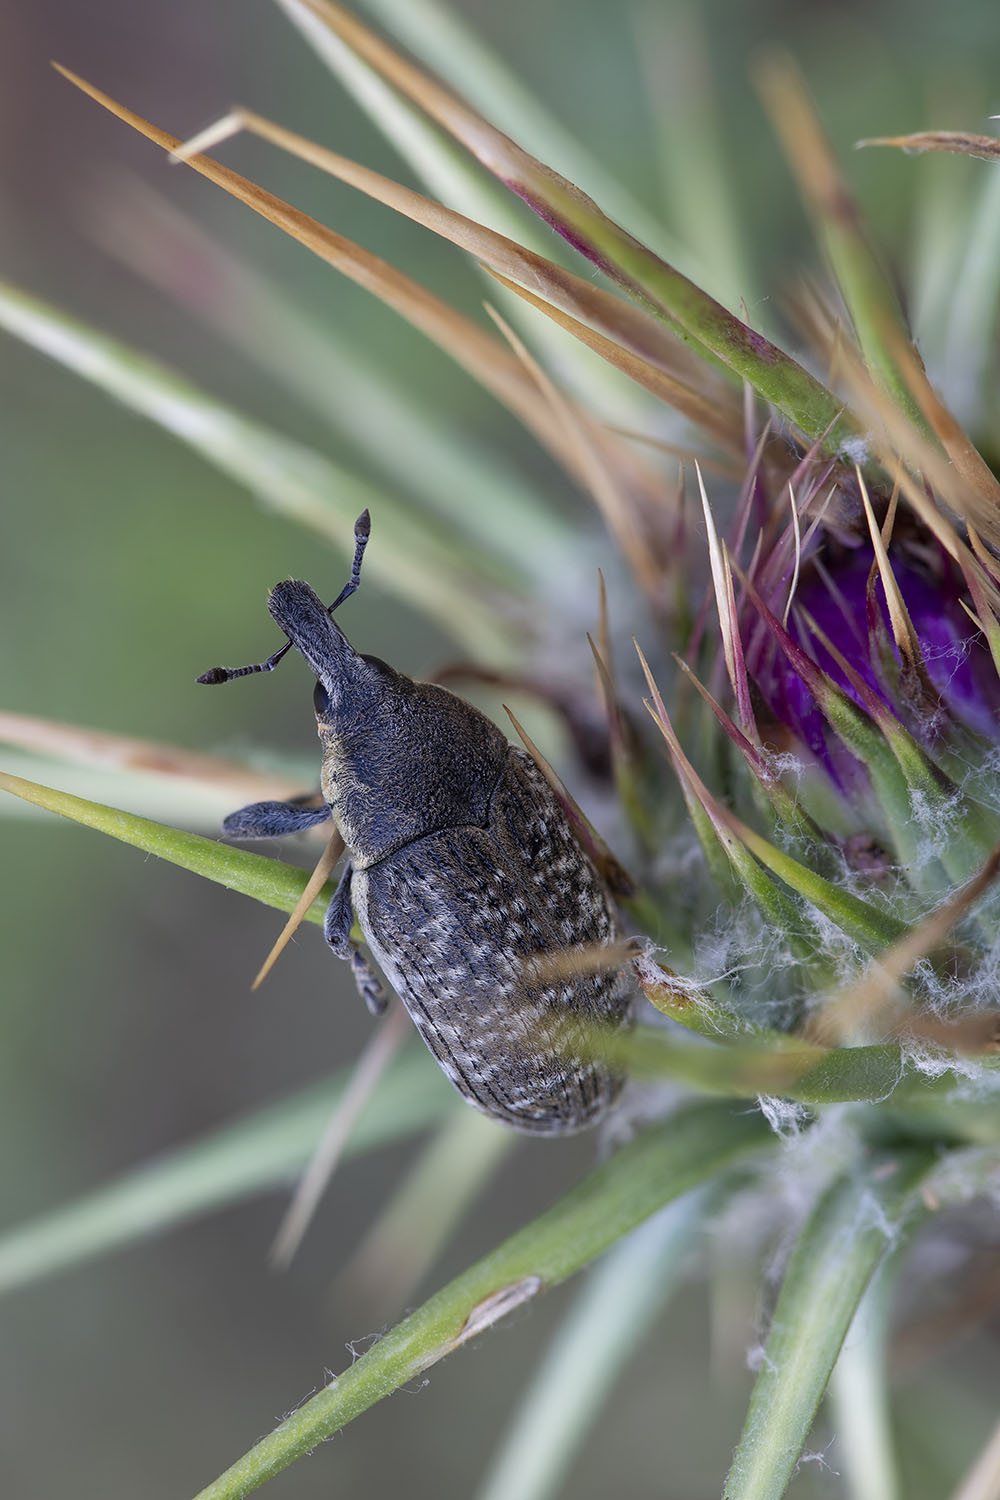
855,1224
859,1395
652,1170
270,881
615,1309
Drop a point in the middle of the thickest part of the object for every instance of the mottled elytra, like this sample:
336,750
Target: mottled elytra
462,866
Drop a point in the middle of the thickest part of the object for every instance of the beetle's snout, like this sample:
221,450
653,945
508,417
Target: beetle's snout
292,602
305,619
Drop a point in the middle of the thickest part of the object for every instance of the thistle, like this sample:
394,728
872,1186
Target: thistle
805,790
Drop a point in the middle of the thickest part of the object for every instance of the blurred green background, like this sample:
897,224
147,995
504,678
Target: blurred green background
127,566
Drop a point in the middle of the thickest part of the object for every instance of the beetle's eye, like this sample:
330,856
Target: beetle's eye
321,698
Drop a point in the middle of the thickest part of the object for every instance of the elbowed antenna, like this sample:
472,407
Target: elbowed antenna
362,531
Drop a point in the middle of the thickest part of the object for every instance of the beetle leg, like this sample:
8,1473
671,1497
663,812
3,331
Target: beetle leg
271,820
337,931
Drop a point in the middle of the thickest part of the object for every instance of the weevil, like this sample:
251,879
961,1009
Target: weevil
462,867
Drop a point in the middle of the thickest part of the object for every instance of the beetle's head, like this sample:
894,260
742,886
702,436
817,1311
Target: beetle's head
308,624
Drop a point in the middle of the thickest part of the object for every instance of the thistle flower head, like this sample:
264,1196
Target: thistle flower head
891,627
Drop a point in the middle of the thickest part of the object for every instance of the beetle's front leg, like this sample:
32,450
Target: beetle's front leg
272,820
337,931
